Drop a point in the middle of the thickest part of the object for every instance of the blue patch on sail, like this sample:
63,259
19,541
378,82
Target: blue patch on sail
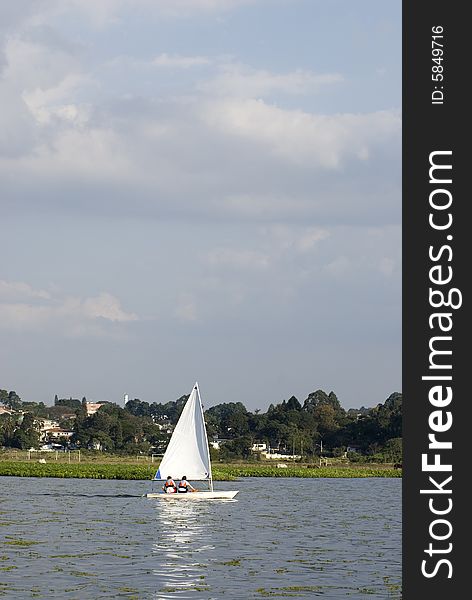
158,474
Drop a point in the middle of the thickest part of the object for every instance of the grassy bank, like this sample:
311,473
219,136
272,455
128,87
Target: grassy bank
234,471
145,472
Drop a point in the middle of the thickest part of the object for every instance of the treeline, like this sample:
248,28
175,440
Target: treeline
110,429
114,429
319,425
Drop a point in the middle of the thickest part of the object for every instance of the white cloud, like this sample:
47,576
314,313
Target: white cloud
185,8
288,240
139,157
19,289
310,238
221,153
17,125
255,205
91,154
339,266
238,259
45,104
299,239
44,310
186,308
180,62
300,137
163,60
365,263
39,84
105,12
214,151
236,80
387,266
13,15
104,306
34,64
23,316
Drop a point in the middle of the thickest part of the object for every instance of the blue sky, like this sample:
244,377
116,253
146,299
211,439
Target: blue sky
200,190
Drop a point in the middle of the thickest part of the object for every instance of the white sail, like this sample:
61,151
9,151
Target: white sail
187,453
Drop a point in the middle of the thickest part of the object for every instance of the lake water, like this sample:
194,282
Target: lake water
280,538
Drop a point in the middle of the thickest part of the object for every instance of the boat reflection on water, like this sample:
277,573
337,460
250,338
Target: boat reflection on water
184,546
182,536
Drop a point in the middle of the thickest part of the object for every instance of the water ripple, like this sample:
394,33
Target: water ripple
80,539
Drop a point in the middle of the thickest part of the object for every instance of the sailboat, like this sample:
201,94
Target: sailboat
188,454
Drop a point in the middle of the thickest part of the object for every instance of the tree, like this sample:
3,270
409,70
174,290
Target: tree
275,432
231,419
101,441
138,408
257,423
325,415
287,425
26,435
11,399
293,404
72,403
8,424
236,448
320,398
212,425
393,450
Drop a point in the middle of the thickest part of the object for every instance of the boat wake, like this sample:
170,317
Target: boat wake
60,495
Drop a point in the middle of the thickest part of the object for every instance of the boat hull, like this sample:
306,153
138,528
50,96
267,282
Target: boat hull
223,495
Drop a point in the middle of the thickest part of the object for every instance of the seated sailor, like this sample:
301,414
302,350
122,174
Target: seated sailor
169,486
185,486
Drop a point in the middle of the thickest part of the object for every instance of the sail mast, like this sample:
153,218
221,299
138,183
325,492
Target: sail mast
206,436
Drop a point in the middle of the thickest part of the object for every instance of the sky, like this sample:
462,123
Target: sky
200,190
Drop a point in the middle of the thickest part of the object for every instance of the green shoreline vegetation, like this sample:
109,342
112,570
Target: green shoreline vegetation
220,472
314,438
